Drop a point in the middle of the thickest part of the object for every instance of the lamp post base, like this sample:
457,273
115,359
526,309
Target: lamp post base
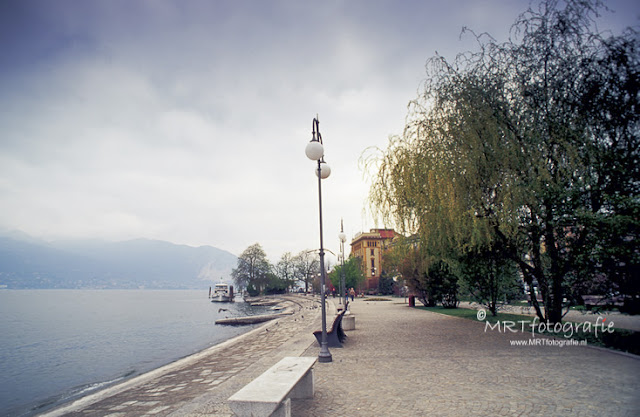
324,356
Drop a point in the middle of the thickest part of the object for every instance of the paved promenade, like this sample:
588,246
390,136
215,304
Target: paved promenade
402,361
398,361
199,385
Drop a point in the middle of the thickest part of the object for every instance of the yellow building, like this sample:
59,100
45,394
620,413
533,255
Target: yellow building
369,247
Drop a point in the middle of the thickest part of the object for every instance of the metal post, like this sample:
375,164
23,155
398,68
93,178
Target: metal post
341,273
342,278
324,355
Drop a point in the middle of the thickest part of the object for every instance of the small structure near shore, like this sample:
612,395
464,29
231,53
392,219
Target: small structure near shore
280,307
223,293
242,321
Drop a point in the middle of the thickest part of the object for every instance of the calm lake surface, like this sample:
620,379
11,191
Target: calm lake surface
57,345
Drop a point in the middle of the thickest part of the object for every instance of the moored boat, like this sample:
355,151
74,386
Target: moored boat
222,293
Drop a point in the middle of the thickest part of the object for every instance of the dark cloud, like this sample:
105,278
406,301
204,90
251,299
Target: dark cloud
187,120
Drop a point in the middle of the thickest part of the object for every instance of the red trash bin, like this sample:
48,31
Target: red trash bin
412,301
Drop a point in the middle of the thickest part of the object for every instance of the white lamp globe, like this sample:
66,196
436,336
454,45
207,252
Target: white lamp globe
325,170
342,237
314,150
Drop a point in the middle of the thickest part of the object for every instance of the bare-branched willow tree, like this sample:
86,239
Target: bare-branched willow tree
526,151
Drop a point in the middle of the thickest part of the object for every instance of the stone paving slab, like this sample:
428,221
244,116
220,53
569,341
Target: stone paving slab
201,384
405,361
398,361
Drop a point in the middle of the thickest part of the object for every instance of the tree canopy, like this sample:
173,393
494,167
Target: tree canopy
257,275
532,146
307,265
352,273
253,268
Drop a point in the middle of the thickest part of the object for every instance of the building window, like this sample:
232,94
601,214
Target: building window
372,254
373,264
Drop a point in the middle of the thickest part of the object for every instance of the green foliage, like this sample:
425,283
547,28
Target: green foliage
532,147
255,273
275,285
438,285
352,273
431,279
385,285
490,277
253,291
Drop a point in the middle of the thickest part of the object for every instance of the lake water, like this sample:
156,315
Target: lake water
57,345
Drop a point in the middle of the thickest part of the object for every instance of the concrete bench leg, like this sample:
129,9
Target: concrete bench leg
304,388
284,410
261,410
349,322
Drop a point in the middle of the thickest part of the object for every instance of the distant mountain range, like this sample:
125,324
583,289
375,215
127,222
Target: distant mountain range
27,262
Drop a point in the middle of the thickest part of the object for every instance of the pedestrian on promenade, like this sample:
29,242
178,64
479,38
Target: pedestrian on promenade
352,293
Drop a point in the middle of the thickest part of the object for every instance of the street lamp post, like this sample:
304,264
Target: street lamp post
315,152
343,290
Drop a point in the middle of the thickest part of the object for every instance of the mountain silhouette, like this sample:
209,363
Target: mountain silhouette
27,262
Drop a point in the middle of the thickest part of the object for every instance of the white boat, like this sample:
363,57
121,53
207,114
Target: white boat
222,293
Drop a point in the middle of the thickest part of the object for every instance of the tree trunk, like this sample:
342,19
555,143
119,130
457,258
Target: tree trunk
553,300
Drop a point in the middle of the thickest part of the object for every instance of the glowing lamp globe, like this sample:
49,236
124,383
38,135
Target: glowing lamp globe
325,170
314,150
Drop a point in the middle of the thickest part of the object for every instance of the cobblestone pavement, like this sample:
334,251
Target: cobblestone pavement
200,384
398,361
402,361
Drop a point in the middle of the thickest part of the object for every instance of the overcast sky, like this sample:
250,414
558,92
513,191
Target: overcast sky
186,121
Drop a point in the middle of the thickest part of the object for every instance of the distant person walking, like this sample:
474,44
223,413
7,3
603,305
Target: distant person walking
352,293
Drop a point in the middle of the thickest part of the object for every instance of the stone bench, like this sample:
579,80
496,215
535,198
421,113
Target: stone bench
348,321
602,301
270,394
335,335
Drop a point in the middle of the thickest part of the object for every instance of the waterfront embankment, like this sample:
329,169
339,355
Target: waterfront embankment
60,345
398,361
200,384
